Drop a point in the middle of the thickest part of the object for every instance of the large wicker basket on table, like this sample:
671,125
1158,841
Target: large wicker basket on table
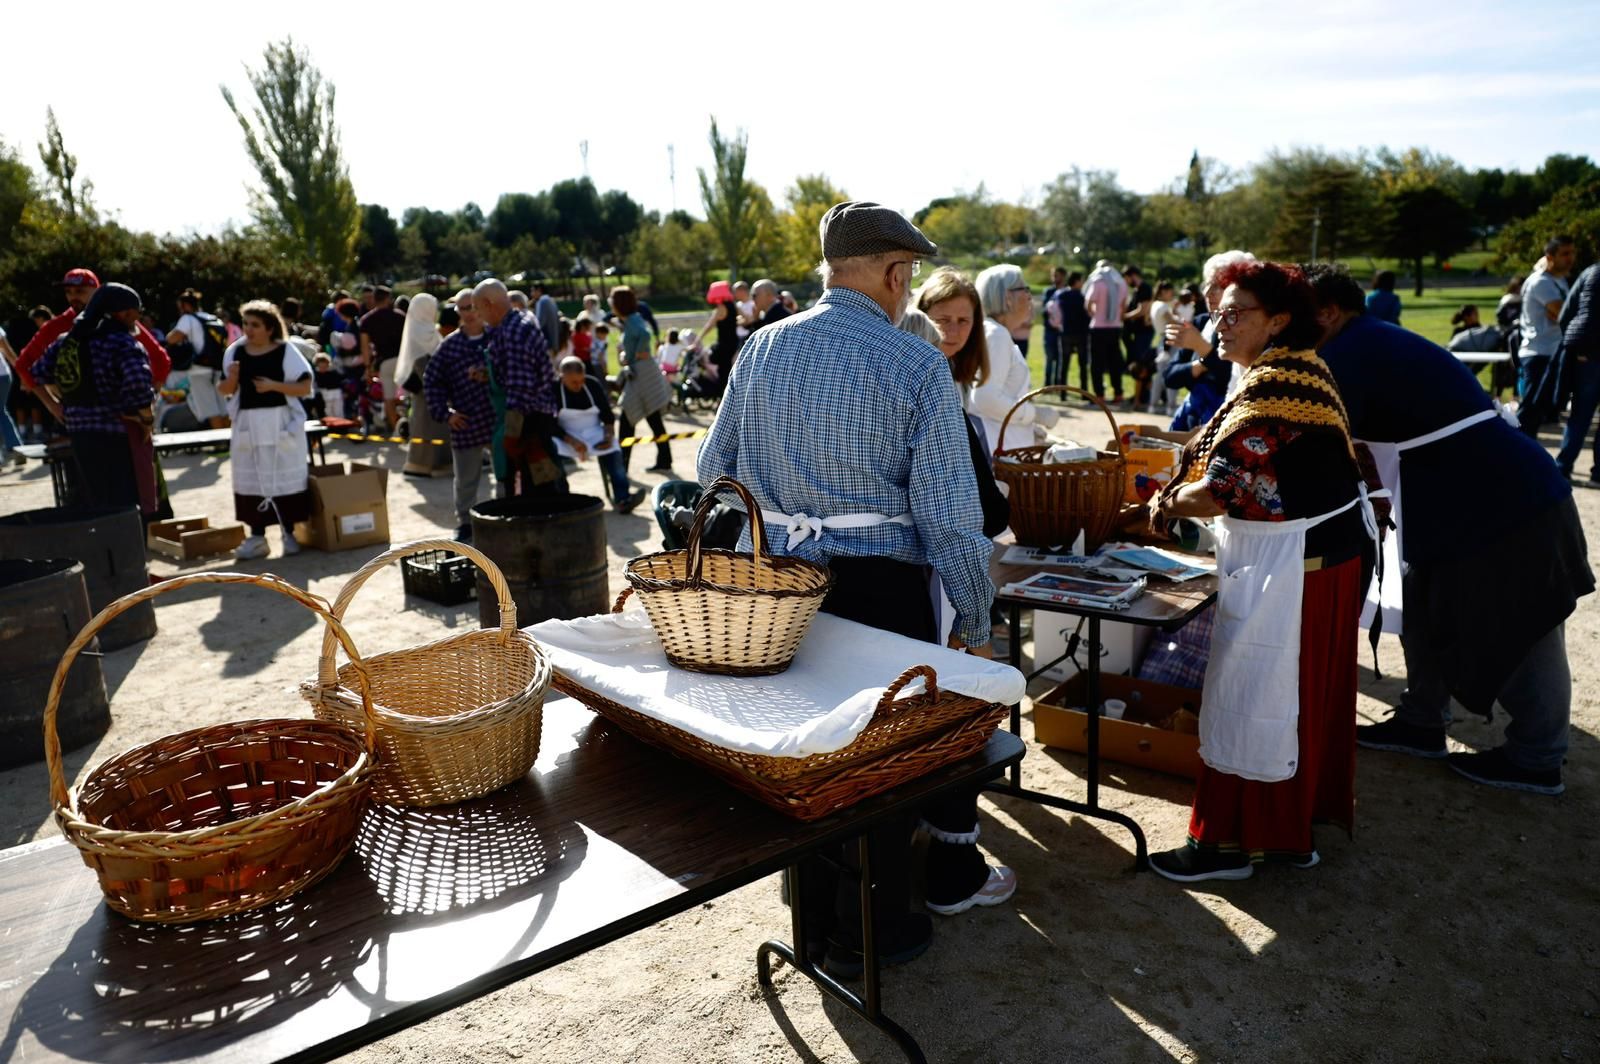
906,738
217,820
456,718
723,612
1051,503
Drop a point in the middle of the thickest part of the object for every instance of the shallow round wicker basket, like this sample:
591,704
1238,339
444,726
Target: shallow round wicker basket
456,718
723,612
217,820
1050,502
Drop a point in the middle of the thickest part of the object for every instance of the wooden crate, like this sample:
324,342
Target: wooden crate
186,538
1059,721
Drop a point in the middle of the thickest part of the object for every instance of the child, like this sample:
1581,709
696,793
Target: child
597,352
328,400
588,427
669,355
582,339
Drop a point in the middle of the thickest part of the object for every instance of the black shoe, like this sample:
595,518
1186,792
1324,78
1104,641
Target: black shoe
659,468
915,934
1402,738
626,505
1310,860
1493,769
1189,865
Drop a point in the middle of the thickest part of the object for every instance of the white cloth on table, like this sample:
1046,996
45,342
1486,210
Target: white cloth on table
824,700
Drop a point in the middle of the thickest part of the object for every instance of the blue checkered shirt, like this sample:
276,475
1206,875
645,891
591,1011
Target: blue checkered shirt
121,373
835,411
522,364
449,388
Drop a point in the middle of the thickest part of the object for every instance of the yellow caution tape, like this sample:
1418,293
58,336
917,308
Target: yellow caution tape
629,442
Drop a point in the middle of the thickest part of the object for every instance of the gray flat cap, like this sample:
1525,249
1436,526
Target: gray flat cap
857,227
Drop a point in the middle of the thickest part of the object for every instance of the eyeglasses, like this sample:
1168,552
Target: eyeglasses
1019,288
1230,316
915,264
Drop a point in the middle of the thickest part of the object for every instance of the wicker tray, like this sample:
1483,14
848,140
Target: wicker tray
456,718
906,738
217,820
722,612
1051,503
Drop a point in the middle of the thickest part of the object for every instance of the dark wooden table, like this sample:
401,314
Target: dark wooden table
433,909
1164,605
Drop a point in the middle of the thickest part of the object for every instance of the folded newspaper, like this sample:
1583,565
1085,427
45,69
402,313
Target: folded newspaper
1080,588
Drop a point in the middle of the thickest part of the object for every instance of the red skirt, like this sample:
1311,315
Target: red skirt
1233,814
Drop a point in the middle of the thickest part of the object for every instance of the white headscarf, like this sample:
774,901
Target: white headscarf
420,337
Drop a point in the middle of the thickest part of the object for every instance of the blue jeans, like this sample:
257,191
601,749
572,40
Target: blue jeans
1585,398
1530,372
613,465
8,430
1054,372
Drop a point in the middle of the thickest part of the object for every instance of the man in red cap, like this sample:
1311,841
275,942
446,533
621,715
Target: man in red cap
78,286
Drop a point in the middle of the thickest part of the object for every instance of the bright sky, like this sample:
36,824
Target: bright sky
439,106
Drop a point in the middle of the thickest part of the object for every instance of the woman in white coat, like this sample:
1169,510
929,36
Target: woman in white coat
418,341
263,379
1007,305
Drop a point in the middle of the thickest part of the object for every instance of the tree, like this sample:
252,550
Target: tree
732,202
808,199
519,214
620,217
378,250
61,166
306,198
1573,211
1423,220
17,193
1315,198
1562,171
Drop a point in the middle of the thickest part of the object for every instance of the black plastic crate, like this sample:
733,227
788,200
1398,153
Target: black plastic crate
440,576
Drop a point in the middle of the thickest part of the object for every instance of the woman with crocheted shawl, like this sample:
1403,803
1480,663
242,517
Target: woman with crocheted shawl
1280,754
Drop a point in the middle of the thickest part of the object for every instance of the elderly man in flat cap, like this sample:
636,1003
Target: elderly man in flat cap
848,434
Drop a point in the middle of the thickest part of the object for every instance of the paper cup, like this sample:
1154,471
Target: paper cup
1113,708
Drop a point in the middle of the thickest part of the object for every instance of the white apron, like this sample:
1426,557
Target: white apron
268,451
1385,594
1249,722
584,426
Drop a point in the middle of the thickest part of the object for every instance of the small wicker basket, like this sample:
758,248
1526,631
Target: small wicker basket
723,612
1051,503
217,820
456,718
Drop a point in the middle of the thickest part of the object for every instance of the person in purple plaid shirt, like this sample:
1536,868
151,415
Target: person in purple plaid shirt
520,362
456,388
103,378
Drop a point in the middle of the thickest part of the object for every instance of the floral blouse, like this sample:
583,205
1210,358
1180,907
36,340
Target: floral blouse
1243,474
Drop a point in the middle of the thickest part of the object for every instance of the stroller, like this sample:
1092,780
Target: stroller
697,384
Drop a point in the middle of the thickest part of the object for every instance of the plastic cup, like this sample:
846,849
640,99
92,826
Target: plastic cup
1113,708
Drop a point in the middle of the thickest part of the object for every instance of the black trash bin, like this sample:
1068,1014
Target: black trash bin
552,550
43,605
110,543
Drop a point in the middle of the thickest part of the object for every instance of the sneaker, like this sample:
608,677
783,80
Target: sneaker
626,505
1399,737
463,533
1310,860
290,544
1187,864
252,547
1493,769
844,961
1001,884
17,459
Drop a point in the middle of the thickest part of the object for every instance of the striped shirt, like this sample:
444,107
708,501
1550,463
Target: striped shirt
120,371
835,411
522,364
449,388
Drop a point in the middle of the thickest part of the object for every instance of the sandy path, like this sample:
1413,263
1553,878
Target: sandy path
1460,924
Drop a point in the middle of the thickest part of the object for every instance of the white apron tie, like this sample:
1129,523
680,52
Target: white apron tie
802,526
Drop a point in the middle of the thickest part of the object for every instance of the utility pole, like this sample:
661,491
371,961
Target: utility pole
583,150
672,176
1316,231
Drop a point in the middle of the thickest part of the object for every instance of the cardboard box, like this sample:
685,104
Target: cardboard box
349,507
193,537
1059,720
1123,645
1149,470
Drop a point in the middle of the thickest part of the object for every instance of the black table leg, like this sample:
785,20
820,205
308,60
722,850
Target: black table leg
1091,808
869,1005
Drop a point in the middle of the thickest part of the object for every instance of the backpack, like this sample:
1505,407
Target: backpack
216,330
1052,312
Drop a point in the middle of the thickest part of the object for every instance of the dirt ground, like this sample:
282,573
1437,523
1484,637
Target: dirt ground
1459,924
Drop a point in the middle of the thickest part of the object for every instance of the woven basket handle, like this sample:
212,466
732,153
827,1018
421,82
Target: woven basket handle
886,704
1116,433
52,741
616,607
758,528
328,674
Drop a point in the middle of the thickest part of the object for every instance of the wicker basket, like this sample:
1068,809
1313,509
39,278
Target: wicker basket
456,718
906,738
1052,503
723,612
218,820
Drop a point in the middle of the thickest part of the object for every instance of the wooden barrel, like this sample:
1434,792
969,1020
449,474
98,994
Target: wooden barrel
110,544
43,604
552,550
